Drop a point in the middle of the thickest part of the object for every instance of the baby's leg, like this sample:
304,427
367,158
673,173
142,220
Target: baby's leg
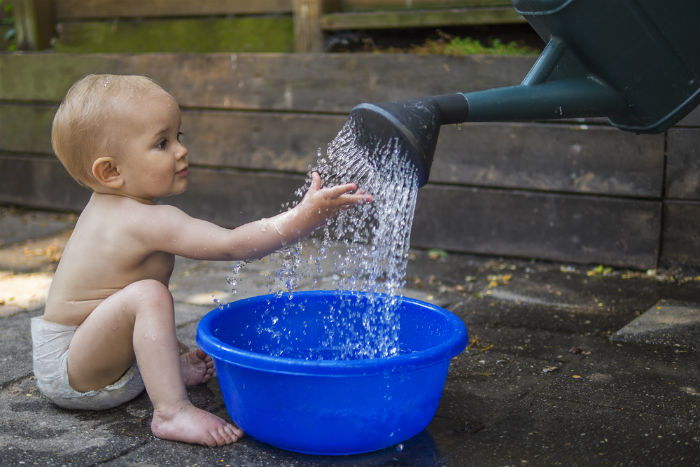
139,321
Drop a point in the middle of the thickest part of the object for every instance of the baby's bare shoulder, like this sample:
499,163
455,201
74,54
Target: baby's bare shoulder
127,217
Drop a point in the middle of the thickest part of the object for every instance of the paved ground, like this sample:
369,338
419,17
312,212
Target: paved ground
568,365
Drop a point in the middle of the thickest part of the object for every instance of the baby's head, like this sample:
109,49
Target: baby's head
87,122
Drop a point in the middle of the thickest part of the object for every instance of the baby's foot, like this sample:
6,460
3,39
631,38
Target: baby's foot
188,424
197,367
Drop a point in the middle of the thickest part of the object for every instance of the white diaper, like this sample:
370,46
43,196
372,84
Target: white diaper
50,342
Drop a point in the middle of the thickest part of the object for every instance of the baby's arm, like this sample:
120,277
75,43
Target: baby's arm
183,235
318,205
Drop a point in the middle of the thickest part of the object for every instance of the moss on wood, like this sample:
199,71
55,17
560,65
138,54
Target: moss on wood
238,34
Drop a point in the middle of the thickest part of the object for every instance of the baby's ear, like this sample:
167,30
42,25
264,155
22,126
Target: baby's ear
106,172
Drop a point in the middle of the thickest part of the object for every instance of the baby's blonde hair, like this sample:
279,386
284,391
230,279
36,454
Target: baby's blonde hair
79,132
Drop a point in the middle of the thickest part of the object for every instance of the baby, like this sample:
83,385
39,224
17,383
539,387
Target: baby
108,329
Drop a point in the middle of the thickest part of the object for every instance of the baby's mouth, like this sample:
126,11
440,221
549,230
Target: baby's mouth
183,172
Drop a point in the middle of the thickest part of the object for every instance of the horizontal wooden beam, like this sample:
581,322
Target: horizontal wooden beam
191,35
395,19
542,157
580,229
42,182
571,158
358,5
288,82
39,182
91,9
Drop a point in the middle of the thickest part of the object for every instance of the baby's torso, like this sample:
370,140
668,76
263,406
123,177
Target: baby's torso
105,253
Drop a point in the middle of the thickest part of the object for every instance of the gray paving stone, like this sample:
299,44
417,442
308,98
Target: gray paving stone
15,347
669,323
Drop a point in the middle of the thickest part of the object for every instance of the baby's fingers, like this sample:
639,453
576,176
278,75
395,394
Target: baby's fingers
349,200
315,181
340,190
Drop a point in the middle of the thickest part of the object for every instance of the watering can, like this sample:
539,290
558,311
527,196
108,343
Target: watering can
636,62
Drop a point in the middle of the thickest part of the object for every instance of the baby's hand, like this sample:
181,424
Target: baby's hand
323,203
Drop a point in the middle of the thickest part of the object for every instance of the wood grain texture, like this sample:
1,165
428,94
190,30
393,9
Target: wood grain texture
330,83
565,191
179,35
681,233
683,164
551,157
579,229
543,157
82,9
397,19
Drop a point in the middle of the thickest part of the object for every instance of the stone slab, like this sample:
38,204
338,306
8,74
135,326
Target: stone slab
541,432
668,323
15,348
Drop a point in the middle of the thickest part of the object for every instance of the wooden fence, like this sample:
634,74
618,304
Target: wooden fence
577,191
232,25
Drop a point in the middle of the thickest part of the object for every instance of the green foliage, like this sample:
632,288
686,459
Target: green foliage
447,44
599,271
436,254
469,46
8,34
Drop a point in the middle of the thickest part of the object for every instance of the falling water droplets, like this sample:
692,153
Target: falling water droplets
363,249
233,279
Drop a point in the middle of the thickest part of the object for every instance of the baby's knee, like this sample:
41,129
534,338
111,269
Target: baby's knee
152,293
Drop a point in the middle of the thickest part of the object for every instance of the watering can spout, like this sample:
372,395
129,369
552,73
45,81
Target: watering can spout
414,125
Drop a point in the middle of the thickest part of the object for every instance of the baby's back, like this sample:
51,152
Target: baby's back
108,250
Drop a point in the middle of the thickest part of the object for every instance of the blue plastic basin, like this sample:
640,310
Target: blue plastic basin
327,406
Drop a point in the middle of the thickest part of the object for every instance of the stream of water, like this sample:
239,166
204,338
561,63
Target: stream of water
364,249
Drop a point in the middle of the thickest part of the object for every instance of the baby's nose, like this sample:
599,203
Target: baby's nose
182,152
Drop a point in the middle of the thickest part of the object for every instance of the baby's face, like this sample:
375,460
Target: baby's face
151,157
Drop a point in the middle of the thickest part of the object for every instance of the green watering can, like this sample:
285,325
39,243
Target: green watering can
636,62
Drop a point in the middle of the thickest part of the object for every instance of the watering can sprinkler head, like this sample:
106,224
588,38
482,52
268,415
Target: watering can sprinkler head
413,125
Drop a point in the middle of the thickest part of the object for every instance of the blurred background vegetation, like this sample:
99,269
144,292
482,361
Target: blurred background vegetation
8,35
266,26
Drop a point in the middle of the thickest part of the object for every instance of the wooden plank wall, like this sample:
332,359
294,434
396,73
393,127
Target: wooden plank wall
314,18
137,26
383,14
208,26
565,191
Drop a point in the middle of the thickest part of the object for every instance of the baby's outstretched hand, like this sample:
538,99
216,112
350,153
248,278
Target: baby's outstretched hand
327,202
317,206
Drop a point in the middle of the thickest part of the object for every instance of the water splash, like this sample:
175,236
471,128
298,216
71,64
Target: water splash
363,249
233,279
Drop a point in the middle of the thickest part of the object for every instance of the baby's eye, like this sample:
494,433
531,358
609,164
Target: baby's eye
179,136
162,143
